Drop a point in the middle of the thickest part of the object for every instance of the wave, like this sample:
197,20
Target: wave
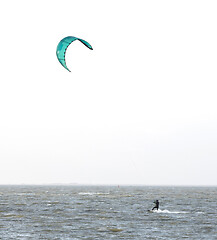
167,211
115,229
92,193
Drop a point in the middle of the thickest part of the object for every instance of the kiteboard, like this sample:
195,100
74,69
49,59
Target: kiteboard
153,211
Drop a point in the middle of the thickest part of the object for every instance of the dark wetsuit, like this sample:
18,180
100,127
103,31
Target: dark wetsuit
156,205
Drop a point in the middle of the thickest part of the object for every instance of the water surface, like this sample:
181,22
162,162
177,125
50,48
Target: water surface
107,212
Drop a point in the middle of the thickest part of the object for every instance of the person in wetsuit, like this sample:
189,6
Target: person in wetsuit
156,205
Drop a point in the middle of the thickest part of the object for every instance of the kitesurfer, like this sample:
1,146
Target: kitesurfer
156,205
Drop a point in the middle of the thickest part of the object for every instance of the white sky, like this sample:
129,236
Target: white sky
138,109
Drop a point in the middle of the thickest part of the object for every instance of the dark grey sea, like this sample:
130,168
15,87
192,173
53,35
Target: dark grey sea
107,212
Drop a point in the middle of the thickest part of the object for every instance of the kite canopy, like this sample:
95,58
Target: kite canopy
62,46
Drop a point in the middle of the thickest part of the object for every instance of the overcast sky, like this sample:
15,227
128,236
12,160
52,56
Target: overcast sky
141,108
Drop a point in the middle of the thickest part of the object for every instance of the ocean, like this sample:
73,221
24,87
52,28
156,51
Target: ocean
107,212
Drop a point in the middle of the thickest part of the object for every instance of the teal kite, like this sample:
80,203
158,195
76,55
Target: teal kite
62,46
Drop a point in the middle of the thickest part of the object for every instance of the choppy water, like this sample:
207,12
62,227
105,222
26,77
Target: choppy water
81,212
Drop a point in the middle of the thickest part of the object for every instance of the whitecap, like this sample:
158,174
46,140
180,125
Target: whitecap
92,193
167,211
